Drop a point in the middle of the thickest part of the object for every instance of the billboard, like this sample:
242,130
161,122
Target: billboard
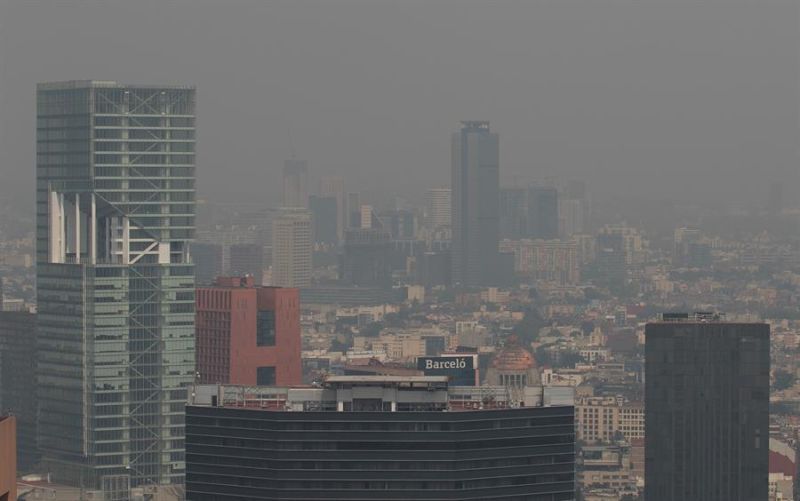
460,368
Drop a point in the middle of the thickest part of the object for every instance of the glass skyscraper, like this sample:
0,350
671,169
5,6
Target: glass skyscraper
115,206
475,198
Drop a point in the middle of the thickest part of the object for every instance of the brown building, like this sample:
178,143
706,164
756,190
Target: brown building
8,458
248,335
598,419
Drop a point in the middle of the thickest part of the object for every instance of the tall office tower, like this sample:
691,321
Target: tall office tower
18,381
207,260
353,210
291,249
247,334
295,183
571,217
475,204
706,409
543,212
612,271
334,187
366,258
513,213
381,437
366,217
248,259
115,283
438,203
324,217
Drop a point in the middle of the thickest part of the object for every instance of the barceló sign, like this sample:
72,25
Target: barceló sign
444,363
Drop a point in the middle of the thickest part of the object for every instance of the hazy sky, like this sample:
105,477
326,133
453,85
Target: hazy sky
671,97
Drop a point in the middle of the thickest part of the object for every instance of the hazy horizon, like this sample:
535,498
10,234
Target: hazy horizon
663,100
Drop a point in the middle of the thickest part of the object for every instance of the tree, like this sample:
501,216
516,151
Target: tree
527,330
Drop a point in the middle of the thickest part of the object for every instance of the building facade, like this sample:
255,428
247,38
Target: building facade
18,381
475,204
247,259
377,438
601,419
115,205
543,212
8,458
295,183
707,409
547,260
366,258
291,249
248,335
438,202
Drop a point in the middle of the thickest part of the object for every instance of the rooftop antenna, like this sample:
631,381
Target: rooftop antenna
292,153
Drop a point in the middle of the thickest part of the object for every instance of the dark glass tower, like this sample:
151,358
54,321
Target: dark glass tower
706,410
115,206
475,198
543,212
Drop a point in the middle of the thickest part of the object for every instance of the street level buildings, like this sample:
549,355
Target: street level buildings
115,209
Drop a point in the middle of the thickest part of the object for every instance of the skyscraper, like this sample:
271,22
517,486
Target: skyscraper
291,248
248,259
334,187
115,215
439,207
324,212
295,183
706,409
543,212
476,186
513,213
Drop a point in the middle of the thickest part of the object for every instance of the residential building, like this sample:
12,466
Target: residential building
602,419
291,249
545,260
248,335
115,282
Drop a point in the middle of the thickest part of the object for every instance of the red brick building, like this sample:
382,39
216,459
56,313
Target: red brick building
8,458
248,335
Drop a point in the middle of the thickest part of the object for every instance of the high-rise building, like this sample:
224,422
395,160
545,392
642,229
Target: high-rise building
571,217
248,335
324,214
543,212
353,210
334,187
706,409
295,183
513,213
207,258
18,381
115,283
247,259
380,437
291,249
366,258
547,260
438,203
475,205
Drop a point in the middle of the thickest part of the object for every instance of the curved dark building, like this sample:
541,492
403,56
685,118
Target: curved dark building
524,453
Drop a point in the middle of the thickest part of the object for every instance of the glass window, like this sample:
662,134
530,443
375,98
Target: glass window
265,376
265,328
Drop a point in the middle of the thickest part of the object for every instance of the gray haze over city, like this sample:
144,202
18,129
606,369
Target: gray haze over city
683,101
